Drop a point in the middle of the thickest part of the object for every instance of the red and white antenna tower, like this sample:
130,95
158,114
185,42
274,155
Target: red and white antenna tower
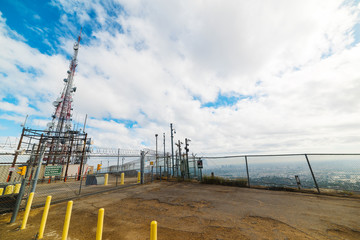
61,121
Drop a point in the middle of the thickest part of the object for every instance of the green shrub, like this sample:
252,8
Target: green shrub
238,182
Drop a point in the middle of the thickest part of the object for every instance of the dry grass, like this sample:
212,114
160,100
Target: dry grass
238,182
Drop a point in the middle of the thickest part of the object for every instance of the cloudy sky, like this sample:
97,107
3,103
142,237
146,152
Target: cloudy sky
233,76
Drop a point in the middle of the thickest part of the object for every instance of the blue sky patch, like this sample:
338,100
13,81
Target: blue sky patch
126,122
225,101
9,127
40,23
356,33
10,99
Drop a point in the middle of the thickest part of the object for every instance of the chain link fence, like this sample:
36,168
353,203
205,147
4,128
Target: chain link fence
180,169
316,172
64,182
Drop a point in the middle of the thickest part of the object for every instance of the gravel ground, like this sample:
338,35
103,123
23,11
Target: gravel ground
197,211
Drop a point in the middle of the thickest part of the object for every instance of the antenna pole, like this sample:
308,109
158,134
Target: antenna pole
85,123
172,147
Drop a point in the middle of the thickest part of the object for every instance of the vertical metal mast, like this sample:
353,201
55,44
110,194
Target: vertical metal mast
62,118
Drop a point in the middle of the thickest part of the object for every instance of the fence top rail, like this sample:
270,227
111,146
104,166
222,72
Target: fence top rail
110,155
281,155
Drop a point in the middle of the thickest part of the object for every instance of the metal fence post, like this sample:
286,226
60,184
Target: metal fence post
312,173
152,173
117,166
81,170
168,173
142,165
22,189
195,167
39,158
247,171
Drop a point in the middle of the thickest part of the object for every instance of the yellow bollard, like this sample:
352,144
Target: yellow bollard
67,220
100,223
17,188
9,189
27,210
44,217
106,179
153,230
122,179
1,191
139,177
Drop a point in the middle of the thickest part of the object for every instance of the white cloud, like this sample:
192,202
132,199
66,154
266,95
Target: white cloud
296,58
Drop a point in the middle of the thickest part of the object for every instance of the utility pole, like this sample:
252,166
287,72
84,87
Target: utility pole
164,152
172,146
156,154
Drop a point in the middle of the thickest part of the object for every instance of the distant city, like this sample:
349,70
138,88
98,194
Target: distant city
339,175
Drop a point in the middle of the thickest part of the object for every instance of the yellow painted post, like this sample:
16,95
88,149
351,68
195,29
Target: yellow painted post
67,220
1,191
153,230
122,179
100,223
9,189
27,210
139,176
106,179
44,217
17,188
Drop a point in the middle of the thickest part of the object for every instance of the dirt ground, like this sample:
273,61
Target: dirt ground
197,211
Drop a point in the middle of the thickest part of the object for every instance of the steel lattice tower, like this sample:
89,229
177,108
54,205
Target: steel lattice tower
61,119
58,144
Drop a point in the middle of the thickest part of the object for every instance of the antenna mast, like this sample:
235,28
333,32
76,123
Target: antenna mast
61,121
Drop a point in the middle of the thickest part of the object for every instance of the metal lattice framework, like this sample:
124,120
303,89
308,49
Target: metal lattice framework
63,148
58,144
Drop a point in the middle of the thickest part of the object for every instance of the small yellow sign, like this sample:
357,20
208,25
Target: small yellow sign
151,163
